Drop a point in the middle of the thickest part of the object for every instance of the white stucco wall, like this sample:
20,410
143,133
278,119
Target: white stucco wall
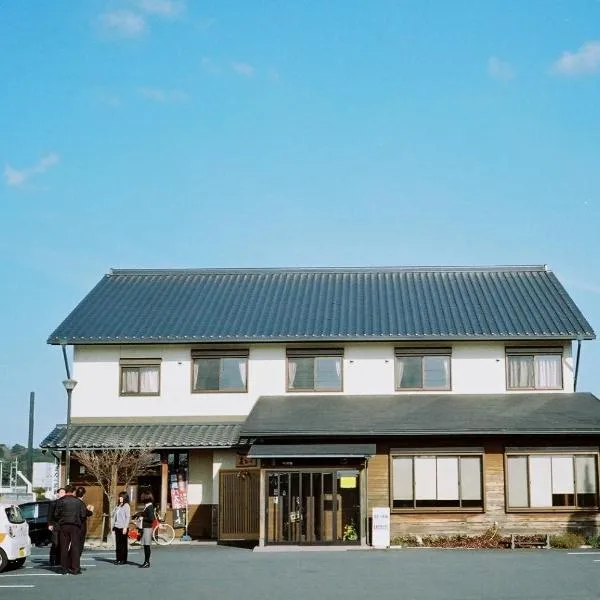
200,485
222,459
368,369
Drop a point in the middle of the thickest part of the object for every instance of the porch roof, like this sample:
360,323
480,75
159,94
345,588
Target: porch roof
155,436
321,415
312,450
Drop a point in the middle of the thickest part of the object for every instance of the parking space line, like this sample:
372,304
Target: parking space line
17,586
583,553
30,575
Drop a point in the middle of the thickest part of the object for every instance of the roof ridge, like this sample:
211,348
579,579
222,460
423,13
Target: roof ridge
374,269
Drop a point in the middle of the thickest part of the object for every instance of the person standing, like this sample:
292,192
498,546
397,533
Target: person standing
70,514
54,557
148,515
89,511
120,522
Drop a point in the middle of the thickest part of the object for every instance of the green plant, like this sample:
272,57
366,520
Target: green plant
567,540
593,541
350,533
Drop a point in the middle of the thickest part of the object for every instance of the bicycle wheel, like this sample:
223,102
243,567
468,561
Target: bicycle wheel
163,534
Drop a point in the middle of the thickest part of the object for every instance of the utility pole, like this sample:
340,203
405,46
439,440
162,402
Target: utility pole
30,440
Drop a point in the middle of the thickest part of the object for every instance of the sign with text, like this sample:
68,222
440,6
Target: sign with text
380,535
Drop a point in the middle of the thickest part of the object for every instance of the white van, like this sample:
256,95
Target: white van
15,545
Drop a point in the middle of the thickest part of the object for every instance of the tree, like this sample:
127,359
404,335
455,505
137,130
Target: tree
115,468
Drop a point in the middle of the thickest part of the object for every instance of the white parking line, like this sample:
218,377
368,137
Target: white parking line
30,575
584,553
17,586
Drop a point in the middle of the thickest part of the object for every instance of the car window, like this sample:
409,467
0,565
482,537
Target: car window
13,514
42,510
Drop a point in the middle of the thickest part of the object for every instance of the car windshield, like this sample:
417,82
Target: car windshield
13,514
28,511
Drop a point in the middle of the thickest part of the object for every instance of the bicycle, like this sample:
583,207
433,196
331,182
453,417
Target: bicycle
163,534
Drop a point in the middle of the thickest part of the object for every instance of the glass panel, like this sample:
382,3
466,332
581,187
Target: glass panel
548,372
585,474
129,381
302,370
329,512
540,481
232,374
206,374
425,478
447,478
328,373
520,372
436,372
517,482
402,481
349,506
470,480
317,491
562,475
410,375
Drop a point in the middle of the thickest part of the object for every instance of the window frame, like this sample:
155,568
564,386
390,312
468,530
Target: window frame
313,353
532,352
422,353
220,354
139,363
528,452
437,453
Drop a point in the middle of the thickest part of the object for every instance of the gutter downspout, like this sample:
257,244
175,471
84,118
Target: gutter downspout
577,365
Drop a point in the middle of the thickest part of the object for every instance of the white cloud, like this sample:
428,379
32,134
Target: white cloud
159,95
243,69
123,23
499,69
18,177
161,8
586,61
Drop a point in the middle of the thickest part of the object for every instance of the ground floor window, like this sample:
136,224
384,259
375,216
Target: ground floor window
566,480
430,481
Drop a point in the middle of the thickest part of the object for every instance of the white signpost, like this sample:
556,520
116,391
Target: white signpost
380,537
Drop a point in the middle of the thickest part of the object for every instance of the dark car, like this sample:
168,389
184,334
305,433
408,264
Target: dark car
36,514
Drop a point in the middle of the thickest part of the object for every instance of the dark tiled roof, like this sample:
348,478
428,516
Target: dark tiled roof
423,414
144,436
324,304
311,450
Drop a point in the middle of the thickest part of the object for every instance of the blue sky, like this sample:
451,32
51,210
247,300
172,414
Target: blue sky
155,133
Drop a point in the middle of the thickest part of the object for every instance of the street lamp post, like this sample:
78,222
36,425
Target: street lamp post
69,386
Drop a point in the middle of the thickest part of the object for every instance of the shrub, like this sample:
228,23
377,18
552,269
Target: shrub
594,541
568,540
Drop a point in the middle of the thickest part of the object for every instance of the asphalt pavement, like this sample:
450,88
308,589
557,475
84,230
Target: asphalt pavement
223,573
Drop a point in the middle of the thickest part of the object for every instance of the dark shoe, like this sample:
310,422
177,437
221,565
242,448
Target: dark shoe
78,572
145,565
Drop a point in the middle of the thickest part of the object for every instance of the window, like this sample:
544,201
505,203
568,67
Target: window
437,481
549,481
140,377
314,370
534,368
220,371
419,369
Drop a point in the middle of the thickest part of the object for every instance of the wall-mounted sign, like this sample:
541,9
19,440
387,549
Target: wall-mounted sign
243,462
380,536
348,482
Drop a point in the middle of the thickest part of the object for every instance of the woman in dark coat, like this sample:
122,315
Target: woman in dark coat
148,515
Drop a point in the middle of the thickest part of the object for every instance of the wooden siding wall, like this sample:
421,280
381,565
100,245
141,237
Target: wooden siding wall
453,523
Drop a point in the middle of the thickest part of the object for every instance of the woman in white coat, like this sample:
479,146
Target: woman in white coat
120,522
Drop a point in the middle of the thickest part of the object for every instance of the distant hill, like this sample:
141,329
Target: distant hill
20,452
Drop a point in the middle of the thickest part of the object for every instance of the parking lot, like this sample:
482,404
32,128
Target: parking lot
230,574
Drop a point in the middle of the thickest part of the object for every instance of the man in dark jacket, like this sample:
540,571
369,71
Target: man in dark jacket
54,558
89,511
70,514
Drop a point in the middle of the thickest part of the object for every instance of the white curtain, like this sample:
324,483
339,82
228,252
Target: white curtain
338,367
547,372
399,370
520,373
243,371
292,366
148,380
130,381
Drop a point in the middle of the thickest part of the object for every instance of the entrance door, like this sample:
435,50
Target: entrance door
239,505
313,507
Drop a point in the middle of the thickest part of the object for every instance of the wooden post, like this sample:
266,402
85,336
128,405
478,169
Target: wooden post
164,482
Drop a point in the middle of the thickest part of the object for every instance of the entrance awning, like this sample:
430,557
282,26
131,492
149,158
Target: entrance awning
311,450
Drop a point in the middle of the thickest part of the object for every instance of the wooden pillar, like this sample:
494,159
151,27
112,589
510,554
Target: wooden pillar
164,482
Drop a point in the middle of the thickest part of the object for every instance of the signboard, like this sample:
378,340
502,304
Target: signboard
179,498
380,536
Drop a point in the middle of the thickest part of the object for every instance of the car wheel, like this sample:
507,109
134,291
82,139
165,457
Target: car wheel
3,560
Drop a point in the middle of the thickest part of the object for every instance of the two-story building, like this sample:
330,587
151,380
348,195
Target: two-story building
294,401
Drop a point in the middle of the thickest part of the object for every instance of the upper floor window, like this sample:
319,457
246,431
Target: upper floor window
534,368
318,370
423,369
220,370
437,480
140,376
544,481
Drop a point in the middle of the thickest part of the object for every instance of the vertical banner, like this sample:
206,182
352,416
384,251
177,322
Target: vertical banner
178,485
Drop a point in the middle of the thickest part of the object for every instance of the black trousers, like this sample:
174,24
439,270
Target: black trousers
121,542
70,538
54,557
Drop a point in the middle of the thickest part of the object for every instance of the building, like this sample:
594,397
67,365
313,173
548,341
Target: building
294,401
